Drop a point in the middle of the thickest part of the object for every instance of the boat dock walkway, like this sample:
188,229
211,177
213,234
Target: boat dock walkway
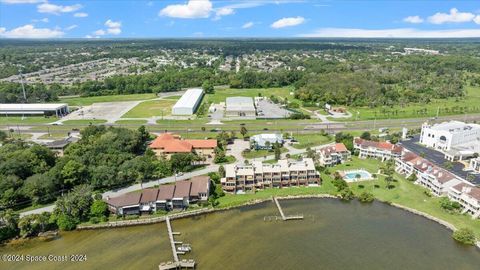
177,263
284,217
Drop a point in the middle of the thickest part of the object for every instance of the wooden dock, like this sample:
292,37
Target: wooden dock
177,263
284,217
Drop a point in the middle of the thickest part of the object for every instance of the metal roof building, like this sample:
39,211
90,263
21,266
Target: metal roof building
240,106
188,103
57,109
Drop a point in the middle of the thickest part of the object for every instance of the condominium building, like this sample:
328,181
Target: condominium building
332,155
380,150
285,173
456,139
436,179
475,164
468,196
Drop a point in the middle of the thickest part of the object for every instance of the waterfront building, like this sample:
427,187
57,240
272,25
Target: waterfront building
285,173
189,102
436,179
457,140
266,141
167,144
475,164
333,154
468,196
381,150
166,197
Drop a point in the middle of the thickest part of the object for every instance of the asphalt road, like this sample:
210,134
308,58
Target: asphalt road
438,159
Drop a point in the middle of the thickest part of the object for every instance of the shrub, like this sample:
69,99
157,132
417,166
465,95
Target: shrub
449,205
346,194
366,197
66,222
465,236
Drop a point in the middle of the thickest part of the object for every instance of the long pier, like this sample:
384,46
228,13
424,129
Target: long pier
284,217
177,263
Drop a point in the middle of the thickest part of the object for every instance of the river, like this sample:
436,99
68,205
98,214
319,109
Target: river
333,235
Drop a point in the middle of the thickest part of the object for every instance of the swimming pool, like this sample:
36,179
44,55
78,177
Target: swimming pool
356,175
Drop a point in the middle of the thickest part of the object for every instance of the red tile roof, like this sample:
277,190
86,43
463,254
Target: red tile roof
340,147
172,144
381,145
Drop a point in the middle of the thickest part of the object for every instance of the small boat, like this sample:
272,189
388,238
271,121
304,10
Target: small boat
184,248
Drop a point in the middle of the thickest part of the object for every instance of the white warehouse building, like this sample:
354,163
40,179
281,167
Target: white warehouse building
188,103
57,109
240,106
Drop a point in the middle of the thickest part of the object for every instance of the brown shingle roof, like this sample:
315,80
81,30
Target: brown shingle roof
166,192
182,189
199,185
132,198
149,195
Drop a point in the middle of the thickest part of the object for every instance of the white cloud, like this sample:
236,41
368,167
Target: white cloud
114,31
112,24
71,27
57,9
191,10
413,19
247,25
100,32
29,31
80,15
225,11
477,19
393,33
113,28
287,22
22,1
453,17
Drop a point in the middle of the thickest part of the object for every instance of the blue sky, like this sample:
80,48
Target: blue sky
240,18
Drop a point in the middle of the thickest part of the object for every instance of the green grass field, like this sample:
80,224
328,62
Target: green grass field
131,122
84,122
84,101
309,140
17,120
151,108
444,107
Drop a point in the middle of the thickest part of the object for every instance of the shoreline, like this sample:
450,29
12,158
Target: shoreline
115,224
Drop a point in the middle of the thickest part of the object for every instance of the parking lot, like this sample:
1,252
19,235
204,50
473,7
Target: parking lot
269,110
438,159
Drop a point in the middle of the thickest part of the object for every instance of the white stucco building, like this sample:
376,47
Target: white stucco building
188,103
456,139
266,141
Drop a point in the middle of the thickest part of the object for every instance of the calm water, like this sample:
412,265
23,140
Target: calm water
334,235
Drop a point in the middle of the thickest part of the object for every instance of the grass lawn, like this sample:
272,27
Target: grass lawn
131,122
151,108
309,140
261,153
221,94
471,104
85,122
21,136
53,136
17,120
173,97
84,101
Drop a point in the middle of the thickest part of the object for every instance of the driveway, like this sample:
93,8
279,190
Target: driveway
237,148
438,159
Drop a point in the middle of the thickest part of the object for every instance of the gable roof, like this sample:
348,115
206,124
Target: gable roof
149,195
182,189
132,198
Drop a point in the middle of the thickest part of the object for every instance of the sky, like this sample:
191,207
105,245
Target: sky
239,18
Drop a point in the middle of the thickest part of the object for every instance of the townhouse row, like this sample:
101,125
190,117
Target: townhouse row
241,178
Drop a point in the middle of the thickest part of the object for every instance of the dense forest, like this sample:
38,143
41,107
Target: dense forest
348,72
